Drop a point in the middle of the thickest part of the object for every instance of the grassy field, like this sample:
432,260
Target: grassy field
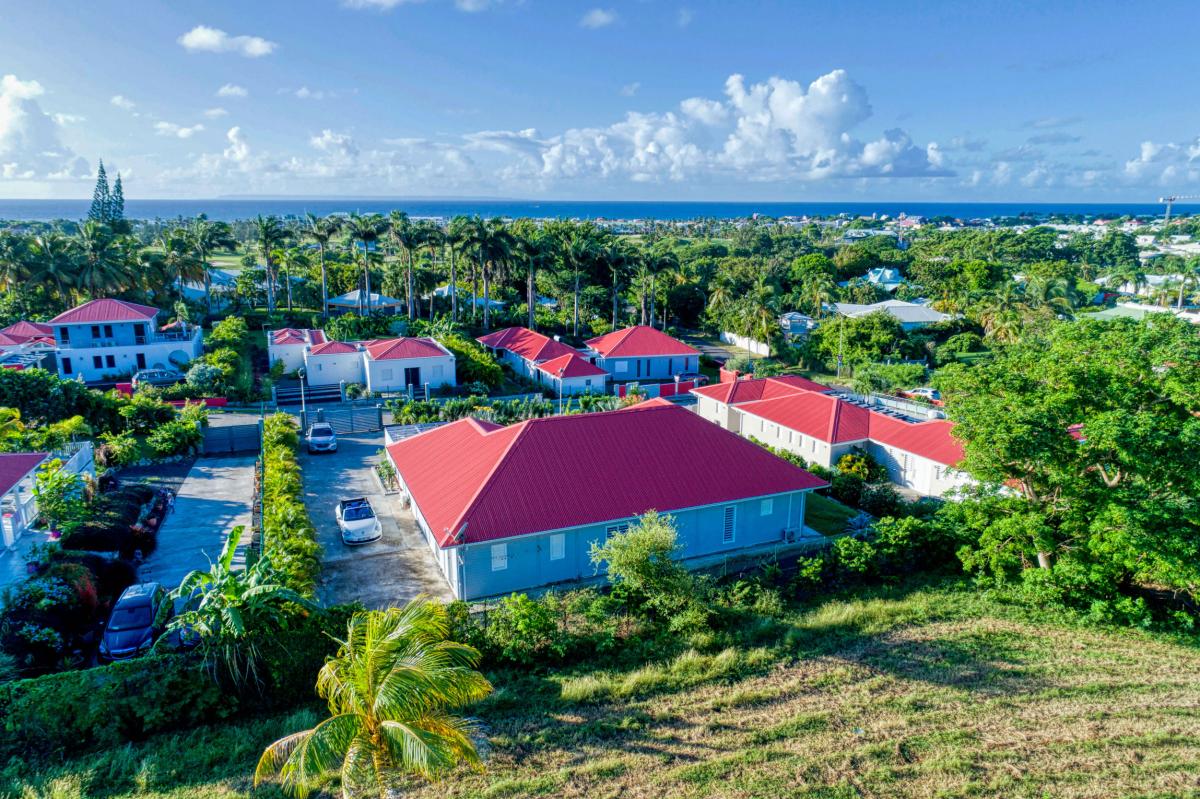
937,691
827,515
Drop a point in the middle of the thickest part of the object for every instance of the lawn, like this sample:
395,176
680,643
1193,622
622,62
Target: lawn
934,691
827,515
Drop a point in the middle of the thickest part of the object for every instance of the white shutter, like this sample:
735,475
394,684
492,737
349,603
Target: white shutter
558,546
499,557
727,532
766,507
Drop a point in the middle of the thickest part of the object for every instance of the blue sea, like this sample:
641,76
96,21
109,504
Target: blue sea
241,208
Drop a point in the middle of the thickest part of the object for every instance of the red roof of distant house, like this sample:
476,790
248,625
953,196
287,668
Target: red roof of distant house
820,416
332,348
10,341
106,310
288,335
530,345
738,391
392,349
573,365
15,465
639,341
566,471
29,331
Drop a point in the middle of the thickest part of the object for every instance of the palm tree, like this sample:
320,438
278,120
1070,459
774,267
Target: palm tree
654,263
431,237
1001,313
457,233
15,267
819,289
269,233
407,238
1127,275
366,230
231,610
321,230
206,237
392,691
103,260
582,248
537,251
495,243
290,259
1055,294
619,258
178,257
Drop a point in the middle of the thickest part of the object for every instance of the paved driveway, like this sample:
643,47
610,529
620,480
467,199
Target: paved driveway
388,572
214,498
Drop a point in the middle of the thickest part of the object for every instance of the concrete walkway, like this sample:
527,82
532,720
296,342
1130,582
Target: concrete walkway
214,498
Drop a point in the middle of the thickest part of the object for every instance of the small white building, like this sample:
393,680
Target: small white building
570,375
108,339
331,363
289,344
356,302
395,364
642,354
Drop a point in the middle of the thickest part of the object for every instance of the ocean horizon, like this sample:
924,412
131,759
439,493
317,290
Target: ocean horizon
231,209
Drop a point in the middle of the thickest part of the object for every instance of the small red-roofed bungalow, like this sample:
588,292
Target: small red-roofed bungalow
394,364
288,344
18,504
812,421
330,363
546,361
516,508
105,339
642,353
572,374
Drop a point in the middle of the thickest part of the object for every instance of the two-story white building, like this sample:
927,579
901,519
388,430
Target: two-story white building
108,339
641,354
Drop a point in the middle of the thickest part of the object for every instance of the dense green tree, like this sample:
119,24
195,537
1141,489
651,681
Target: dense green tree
101,198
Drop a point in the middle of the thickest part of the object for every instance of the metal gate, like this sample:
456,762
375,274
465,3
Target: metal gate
346,420
232,439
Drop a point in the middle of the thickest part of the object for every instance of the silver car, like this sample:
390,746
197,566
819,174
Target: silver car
321,438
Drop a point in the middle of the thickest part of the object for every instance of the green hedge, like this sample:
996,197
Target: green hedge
289,538
108,705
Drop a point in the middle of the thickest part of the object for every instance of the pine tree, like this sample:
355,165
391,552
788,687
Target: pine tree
101,198
116,202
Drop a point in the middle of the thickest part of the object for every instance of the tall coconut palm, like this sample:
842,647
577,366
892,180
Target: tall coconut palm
580,251
364,230
103,263
457,234
819,289
179,258
393,690
496,243
655,263
538,253
292,261
431,237
320,230
15,260
620,260
205,238
269,233
407,238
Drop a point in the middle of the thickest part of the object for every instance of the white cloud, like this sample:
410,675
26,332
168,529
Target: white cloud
121,101
232,90
336,143
238,150
63,120
30,148
305,93
630,89
380,5
598,18
178,131
709,112
1166,163
214,113
203,39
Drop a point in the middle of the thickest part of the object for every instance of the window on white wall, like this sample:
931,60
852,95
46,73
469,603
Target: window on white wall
558,546
620,366
728,528
766,507
499,557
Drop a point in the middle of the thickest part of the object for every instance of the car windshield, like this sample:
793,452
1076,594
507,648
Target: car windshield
357,513
131,618
318,432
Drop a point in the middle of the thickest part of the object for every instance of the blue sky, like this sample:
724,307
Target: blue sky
641,99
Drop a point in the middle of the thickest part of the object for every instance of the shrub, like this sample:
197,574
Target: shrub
206,378
176,437
472,364
118,449
229,332
525,630
144,412
44,398
59,496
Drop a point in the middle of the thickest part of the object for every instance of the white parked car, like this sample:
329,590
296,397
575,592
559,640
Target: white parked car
358,522
321,438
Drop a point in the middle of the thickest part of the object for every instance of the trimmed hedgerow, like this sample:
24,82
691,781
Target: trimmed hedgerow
288,536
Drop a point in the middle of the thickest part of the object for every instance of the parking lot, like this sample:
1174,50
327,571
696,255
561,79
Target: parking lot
387,572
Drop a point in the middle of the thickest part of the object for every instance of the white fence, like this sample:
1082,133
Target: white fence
756,347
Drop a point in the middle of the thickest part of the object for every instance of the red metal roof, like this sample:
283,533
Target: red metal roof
28,331
288,335
392,349
567,471
530,345
930,439
639,341
573,365
332,348
105,310
15,465
821,416
738,391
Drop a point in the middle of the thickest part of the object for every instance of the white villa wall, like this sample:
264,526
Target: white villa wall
388,375
292,355
334,368
913,471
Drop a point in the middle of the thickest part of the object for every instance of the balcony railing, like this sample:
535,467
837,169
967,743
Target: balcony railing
138,341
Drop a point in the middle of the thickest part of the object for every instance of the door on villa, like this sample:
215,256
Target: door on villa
412,376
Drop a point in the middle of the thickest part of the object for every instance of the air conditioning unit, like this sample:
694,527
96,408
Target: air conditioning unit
789,535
